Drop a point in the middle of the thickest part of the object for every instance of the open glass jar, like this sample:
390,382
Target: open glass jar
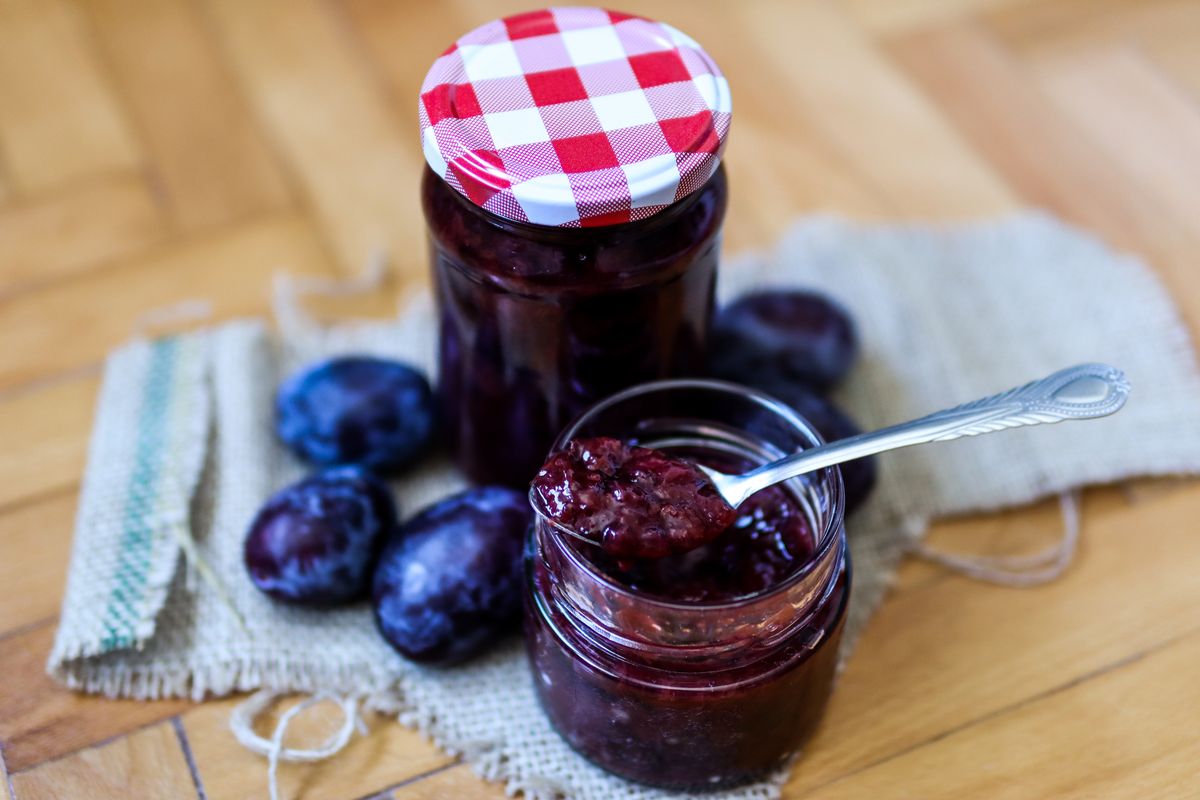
680,693
574,200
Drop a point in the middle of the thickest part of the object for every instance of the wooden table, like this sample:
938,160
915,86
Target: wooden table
152,152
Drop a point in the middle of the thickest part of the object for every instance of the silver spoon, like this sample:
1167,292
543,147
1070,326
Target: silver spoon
1085,391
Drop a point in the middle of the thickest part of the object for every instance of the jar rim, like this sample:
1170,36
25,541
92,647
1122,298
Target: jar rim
829,535
616,230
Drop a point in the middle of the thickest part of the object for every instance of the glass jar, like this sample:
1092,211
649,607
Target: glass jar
574,201
681,694
538,323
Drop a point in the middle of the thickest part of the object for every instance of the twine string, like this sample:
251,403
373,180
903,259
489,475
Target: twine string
1034,569
195,309
241,723
289,291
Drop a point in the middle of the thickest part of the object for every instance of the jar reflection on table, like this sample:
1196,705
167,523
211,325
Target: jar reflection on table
690,695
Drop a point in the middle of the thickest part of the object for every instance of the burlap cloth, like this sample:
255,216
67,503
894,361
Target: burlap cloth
182,455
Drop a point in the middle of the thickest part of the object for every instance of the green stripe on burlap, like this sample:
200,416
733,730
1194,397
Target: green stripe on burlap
137,539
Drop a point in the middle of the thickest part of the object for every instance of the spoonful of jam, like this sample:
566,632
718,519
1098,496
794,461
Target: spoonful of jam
637,502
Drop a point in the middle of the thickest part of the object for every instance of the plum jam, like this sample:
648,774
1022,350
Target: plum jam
767,541
636,503
708,668
574,201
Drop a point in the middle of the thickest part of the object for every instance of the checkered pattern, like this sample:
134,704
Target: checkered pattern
574,116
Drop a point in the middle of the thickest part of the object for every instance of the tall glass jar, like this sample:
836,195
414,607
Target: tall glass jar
574,200
690,695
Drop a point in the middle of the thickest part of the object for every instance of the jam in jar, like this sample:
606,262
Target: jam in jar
709,668
574,199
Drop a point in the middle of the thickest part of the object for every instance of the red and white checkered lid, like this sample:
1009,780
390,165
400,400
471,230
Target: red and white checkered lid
574,116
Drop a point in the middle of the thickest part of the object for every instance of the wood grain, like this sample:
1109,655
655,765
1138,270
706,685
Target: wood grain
212,161
1139,105
40,721
1067,26
148,763
1118,97
189,149
389,755
937,175
45,428
942,654
341,138
1173,48
809,174
63,327
1097,728
458,782
60,118
95,222
887,17
1051,158
37,540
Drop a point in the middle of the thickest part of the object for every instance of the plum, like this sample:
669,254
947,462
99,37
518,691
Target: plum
316,541
356,410
449,581
783,335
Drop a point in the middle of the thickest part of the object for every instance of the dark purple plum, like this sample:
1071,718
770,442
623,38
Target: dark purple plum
356,410
783,335
449,581
316,541
833,424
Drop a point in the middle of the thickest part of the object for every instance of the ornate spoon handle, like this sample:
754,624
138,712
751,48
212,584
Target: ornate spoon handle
1085,391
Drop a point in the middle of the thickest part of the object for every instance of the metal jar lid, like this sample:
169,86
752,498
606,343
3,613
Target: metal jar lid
574,117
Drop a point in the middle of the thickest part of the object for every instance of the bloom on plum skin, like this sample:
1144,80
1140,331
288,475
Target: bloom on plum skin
449,581
315,542
356,410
